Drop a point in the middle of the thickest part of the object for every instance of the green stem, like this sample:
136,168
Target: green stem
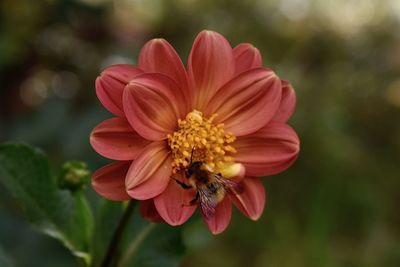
134,245
116,238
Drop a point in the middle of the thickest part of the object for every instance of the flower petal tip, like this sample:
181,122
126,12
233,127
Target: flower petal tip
255,218
170,204
149,211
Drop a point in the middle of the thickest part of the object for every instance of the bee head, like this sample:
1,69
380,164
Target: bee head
193,167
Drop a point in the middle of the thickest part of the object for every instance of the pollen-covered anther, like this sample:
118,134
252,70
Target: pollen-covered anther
198,138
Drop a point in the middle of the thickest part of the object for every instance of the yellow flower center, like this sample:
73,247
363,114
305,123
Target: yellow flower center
199,138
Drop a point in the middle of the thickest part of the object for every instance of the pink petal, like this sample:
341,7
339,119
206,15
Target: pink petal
248,102
109,181
150,173
149,211
268,151
159,56
110,86
172,204
210,65
220,221
115,139
252,200
153,105
246,57
288,103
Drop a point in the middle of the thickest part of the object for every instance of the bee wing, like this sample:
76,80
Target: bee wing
231,186
208,202
235,188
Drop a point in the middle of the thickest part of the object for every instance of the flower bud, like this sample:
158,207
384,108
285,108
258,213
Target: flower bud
74,175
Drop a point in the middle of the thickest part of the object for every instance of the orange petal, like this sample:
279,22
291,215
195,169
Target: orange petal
246,57
247,102
109,181
150,173
115,139
251,201
153,105
268,151
158,55
110,86
172,204
210,65
220,221
149,211
288,103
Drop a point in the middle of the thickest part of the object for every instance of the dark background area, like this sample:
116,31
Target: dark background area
339,203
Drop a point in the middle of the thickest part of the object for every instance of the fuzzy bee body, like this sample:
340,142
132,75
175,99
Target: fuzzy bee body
211,187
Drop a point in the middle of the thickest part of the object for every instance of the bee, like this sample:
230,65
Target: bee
211,187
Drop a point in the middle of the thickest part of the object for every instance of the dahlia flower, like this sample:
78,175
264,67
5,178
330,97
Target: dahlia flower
224,110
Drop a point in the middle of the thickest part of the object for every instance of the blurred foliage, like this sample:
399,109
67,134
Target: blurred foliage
57,213
64,213
338,204
4,260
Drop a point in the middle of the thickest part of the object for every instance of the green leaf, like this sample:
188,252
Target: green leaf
84,212
4,259
25,172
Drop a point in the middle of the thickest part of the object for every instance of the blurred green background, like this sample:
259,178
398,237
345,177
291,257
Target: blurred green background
337,206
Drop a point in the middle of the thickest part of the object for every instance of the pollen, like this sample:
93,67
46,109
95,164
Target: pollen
199,139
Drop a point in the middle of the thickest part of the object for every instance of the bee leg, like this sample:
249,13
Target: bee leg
193,201
184,186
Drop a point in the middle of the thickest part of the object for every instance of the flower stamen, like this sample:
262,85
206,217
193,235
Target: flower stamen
209,143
